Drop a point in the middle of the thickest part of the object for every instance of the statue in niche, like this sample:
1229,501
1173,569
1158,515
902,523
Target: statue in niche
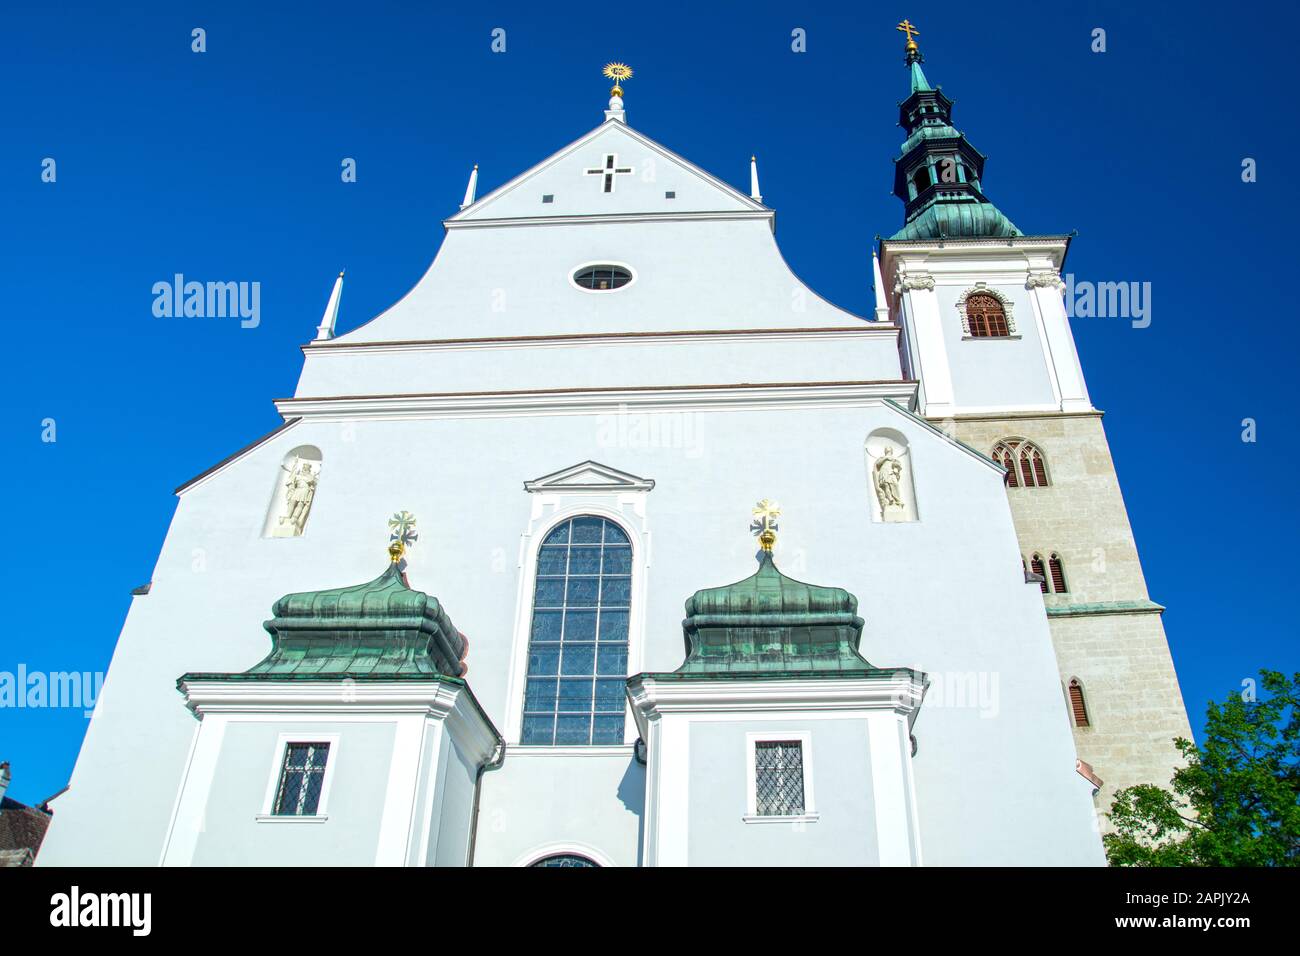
302,489
889,477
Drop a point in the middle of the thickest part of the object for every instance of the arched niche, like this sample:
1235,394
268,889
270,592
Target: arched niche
889,476
296,483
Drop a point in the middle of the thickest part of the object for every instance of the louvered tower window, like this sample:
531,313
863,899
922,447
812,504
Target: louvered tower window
986,316
1036,566
1078,707
1057,574
1026,467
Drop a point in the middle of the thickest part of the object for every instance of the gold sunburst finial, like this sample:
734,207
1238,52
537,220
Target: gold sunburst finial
618,72
911,31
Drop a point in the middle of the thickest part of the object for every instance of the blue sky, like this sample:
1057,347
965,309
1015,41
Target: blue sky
226,165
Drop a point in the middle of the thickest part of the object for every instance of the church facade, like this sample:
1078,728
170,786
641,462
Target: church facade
478,526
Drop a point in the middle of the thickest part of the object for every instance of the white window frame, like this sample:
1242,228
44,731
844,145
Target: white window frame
804,739
268,814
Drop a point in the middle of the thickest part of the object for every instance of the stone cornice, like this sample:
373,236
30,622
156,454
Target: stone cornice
616,218
586,401
444,699
868,328
898,691
1105,607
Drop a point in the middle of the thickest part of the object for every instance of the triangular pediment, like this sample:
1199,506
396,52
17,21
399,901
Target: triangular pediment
589,476
646,178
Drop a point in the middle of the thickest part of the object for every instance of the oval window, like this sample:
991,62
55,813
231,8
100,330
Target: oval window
601,278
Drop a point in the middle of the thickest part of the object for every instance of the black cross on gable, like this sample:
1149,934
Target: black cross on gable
609,171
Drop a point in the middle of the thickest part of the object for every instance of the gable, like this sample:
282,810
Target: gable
640,174
589,476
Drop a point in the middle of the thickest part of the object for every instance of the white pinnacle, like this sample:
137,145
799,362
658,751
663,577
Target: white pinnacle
753,180
326,328
471,188
882,304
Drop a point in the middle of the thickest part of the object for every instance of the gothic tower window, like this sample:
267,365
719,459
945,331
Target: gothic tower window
577,649
986,316
1078,706
1057,573
1036,566
1026,467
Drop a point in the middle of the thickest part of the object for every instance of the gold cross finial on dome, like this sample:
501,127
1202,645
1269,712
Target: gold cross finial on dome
618,72
911,31
764,524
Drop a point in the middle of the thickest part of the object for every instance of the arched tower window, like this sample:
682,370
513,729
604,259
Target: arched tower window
1057,574
986,316
1024,461
564,859
1036,566
577,648
1078,706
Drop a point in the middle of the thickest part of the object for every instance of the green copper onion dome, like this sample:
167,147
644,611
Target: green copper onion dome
380,628
938,175
772,623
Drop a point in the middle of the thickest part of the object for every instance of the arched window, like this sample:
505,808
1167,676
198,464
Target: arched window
577,649
1057,574
1026,467
1078,707
985,315
564,859
1036,566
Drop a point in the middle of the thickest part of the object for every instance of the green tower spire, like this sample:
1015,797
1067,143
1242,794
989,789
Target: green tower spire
938,173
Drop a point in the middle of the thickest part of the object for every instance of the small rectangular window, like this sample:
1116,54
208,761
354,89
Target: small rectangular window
670,194
548,197
301,779
778,778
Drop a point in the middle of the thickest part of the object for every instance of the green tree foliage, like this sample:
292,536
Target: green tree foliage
1236,802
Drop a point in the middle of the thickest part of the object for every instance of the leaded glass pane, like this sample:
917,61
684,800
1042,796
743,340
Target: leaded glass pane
550,592
579,659
582,594
579,625
544,659
611,659
301,779
616,592
551,560
617,561
778,783
613,626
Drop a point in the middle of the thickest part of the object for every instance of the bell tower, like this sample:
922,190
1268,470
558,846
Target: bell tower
986,334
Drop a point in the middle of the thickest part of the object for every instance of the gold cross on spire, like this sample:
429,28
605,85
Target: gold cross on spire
764,524
911,31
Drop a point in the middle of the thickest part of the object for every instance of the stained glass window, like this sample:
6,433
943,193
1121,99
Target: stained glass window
577,651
